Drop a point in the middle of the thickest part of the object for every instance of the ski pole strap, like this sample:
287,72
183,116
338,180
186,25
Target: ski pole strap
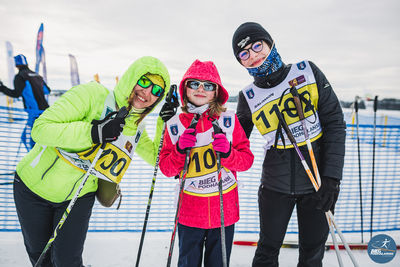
286,128
216,127
279,134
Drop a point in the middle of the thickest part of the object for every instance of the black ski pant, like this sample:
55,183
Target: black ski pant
275,211
38,218
192,241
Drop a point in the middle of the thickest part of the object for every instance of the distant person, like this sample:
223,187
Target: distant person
33,90
284,182
199,225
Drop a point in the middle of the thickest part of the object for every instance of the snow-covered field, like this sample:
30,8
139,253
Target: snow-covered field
120,249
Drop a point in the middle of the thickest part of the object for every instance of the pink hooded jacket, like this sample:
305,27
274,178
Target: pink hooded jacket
204,211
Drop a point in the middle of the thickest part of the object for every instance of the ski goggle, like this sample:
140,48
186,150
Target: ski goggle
256,47
146,83
208,86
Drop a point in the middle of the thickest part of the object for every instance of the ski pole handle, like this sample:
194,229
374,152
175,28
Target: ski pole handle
375,103
356,104
297,102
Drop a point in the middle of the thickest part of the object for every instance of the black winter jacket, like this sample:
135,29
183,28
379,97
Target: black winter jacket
282,169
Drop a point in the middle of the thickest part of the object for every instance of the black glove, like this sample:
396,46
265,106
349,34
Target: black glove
327,194
107,130
168,110
1,84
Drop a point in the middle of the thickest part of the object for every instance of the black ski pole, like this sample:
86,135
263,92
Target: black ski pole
180,196
218,130
359,170
122,113
373,166
173,100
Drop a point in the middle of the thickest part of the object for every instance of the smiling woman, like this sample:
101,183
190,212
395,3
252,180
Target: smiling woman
70,136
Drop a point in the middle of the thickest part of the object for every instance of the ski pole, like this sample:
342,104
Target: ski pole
218,130
313,181
122,113
180,196
171,98
335,244
373,165
153,181
359,169
300,113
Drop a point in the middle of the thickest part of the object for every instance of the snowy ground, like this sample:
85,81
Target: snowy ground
120,249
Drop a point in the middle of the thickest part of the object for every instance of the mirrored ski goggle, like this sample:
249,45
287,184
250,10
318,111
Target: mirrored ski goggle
208,86
256,47
146,83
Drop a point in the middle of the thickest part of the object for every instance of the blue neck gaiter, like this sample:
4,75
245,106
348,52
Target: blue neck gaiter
271,64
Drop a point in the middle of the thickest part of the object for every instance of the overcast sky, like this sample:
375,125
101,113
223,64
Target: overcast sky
354,42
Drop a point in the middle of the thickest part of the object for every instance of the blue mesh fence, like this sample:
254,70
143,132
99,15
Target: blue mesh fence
137,181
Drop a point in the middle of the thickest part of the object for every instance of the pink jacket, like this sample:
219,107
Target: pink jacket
204,211
199,208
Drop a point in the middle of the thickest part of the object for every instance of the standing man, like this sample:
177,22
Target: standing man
284,182
32,88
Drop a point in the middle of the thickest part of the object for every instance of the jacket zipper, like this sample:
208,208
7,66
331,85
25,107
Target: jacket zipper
51,166
72,190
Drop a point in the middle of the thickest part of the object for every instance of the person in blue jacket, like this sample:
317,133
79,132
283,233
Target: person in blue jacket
33,90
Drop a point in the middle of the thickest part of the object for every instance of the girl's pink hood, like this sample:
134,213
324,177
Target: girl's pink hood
205,71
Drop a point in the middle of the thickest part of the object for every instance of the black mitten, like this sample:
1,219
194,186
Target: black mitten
107,130
328,194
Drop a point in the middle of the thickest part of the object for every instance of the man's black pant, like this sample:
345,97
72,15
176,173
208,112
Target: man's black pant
38,218
275,210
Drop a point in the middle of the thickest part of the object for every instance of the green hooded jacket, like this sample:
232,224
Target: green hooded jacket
67,125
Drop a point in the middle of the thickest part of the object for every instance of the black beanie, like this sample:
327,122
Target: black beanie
248,33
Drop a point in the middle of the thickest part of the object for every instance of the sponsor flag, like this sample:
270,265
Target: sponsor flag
40,55
39,48
11,64
74,70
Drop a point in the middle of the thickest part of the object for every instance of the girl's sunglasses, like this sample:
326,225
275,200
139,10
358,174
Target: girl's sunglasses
145,83
256,47
208,86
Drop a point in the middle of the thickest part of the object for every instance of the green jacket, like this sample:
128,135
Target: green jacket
67,124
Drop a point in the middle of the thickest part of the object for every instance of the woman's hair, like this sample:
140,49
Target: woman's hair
215,107
146,110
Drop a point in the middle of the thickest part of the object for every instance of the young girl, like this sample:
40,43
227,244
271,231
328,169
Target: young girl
203,95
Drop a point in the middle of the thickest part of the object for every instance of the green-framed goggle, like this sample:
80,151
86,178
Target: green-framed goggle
145,82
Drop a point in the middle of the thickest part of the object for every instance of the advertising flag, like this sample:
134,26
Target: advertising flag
74,71
39,48
10,64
